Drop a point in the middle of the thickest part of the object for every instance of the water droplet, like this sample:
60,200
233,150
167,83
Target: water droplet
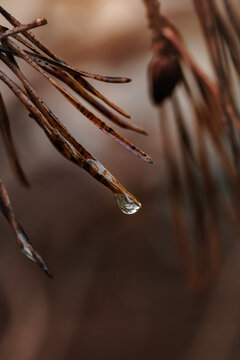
127,204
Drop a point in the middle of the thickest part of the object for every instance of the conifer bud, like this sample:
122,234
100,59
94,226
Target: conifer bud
164,74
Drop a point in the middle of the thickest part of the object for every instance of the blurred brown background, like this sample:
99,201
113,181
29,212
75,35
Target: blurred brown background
117,291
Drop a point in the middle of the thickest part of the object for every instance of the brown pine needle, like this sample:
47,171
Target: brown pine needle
51,67
75,85
8,141
215,120
22,240
101,125
21,28
233,16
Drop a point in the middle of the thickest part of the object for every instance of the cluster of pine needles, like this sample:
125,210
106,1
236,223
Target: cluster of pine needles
19,44
199,200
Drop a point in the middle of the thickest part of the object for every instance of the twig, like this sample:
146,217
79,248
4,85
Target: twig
21,28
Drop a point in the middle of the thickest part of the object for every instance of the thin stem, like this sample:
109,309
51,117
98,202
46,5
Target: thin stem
21,28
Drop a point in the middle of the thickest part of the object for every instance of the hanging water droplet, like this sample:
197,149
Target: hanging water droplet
127,204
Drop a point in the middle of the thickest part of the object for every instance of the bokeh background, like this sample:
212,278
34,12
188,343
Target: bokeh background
117,291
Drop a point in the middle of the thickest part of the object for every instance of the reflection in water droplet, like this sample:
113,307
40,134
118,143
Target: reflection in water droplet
126,204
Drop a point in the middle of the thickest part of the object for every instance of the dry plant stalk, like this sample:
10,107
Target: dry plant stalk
216,120
20,43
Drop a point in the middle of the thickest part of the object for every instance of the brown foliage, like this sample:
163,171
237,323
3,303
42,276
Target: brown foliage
215,120
39,57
